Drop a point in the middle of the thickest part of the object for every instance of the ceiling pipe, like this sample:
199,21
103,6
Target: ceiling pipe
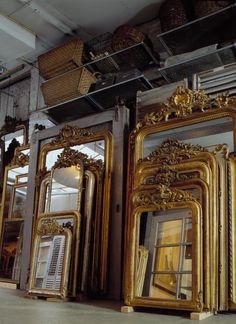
16,78
48,14
11,71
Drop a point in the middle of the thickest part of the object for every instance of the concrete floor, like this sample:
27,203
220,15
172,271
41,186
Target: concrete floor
15,309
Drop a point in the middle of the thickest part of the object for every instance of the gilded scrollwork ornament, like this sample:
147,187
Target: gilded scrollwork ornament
223,149
182,103
69,133
20,159
160,196
69,157
50,227
173,151
166,176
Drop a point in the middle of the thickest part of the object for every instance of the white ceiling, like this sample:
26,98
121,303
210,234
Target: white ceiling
54,20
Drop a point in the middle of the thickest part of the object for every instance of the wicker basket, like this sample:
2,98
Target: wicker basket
172,14
67,86
126,36
203,8
61,59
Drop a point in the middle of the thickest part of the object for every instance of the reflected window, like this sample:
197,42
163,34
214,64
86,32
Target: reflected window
50,262
168,238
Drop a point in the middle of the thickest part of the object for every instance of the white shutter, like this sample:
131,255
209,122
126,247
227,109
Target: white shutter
217,81
55,264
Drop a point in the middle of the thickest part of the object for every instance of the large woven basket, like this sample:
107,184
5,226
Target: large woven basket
126,36
203,8
172,14
61,59
67,86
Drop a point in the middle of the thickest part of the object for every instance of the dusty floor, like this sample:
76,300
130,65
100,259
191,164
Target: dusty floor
16,309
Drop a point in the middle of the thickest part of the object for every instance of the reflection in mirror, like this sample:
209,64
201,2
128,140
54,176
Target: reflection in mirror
12,177
51,257
66,188
18,197
216,131
87,224
44,195
11,250
50,262
18,135
167,238
95,150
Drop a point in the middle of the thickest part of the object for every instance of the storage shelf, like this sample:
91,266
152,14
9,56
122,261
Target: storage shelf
138,56
217,27
181,70
98,100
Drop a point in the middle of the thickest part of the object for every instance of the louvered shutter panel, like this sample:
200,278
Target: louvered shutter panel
53,277
217,81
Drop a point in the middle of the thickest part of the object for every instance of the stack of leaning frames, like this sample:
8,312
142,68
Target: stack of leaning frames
180,228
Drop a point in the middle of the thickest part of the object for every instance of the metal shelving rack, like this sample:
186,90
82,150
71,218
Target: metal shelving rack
215,28
102,99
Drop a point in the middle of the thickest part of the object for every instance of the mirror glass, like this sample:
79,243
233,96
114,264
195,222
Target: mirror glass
18,135
66,188
164,269
50,261
18,197
88,220
11,250
14,176
217,131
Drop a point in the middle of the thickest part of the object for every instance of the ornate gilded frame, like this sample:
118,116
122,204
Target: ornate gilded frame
45,227
172,172
19,160
151,200
184,108
70,136
75,251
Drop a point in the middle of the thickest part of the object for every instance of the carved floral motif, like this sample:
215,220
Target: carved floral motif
69,133
173,151
20,159
50,227
167,176
70,157
182,103
160,196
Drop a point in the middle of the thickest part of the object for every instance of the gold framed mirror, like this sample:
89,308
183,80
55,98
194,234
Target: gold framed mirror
205,127
95,153
12,215
170,230
50,264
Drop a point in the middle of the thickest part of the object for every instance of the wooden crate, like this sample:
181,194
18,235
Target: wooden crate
61,59
67,86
